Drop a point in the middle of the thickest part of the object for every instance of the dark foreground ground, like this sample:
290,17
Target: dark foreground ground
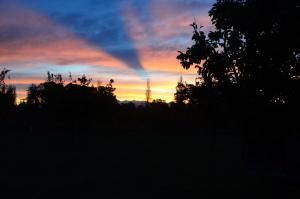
158,158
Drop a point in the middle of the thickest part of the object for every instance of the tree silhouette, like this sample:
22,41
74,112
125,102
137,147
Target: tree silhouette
84,81
3,74
54,96
183,92
254,48
7,94
34,95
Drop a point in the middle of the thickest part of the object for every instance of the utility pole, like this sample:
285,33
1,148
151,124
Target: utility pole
148,92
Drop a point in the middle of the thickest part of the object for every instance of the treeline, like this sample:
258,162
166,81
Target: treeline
76,104
7,95
54,95
78,96
196,107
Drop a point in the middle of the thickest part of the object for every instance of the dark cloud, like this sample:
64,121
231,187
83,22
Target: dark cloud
100,23
109,35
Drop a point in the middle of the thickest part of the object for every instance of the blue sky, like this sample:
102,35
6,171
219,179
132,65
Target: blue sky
127,40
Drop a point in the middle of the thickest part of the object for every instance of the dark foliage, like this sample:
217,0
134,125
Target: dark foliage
76,99
250,62
7,95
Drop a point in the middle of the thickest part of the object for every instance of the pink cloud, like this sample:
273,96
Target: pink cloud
29,37
159,40
173,18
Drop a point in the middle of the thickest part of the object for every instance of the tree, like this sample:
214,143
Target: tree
7,94
106,93
3,74
183,92
34,95
84,81
254,48
55,96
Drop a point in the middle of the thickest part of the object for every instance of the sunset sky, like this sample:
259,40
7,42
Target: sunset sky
126,40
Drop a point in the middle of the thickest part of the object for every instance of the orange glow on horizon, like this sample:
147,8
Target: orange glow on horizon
125,90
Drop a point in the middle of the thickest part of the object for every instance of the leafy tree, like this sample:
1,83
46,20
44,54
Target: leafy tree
183,92
3,74
7,93
253,50
54,95
106,93
34,95
84,81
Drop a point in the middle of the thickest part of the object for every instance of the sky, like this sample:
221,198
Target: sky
125,40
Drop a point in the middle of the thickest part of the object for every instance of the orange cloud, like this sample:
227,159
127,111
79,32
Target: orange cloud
168,32
25,81
163,60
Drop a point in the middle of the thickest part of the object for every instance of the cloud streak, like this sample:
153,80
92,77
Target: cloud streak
99,23
36,39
